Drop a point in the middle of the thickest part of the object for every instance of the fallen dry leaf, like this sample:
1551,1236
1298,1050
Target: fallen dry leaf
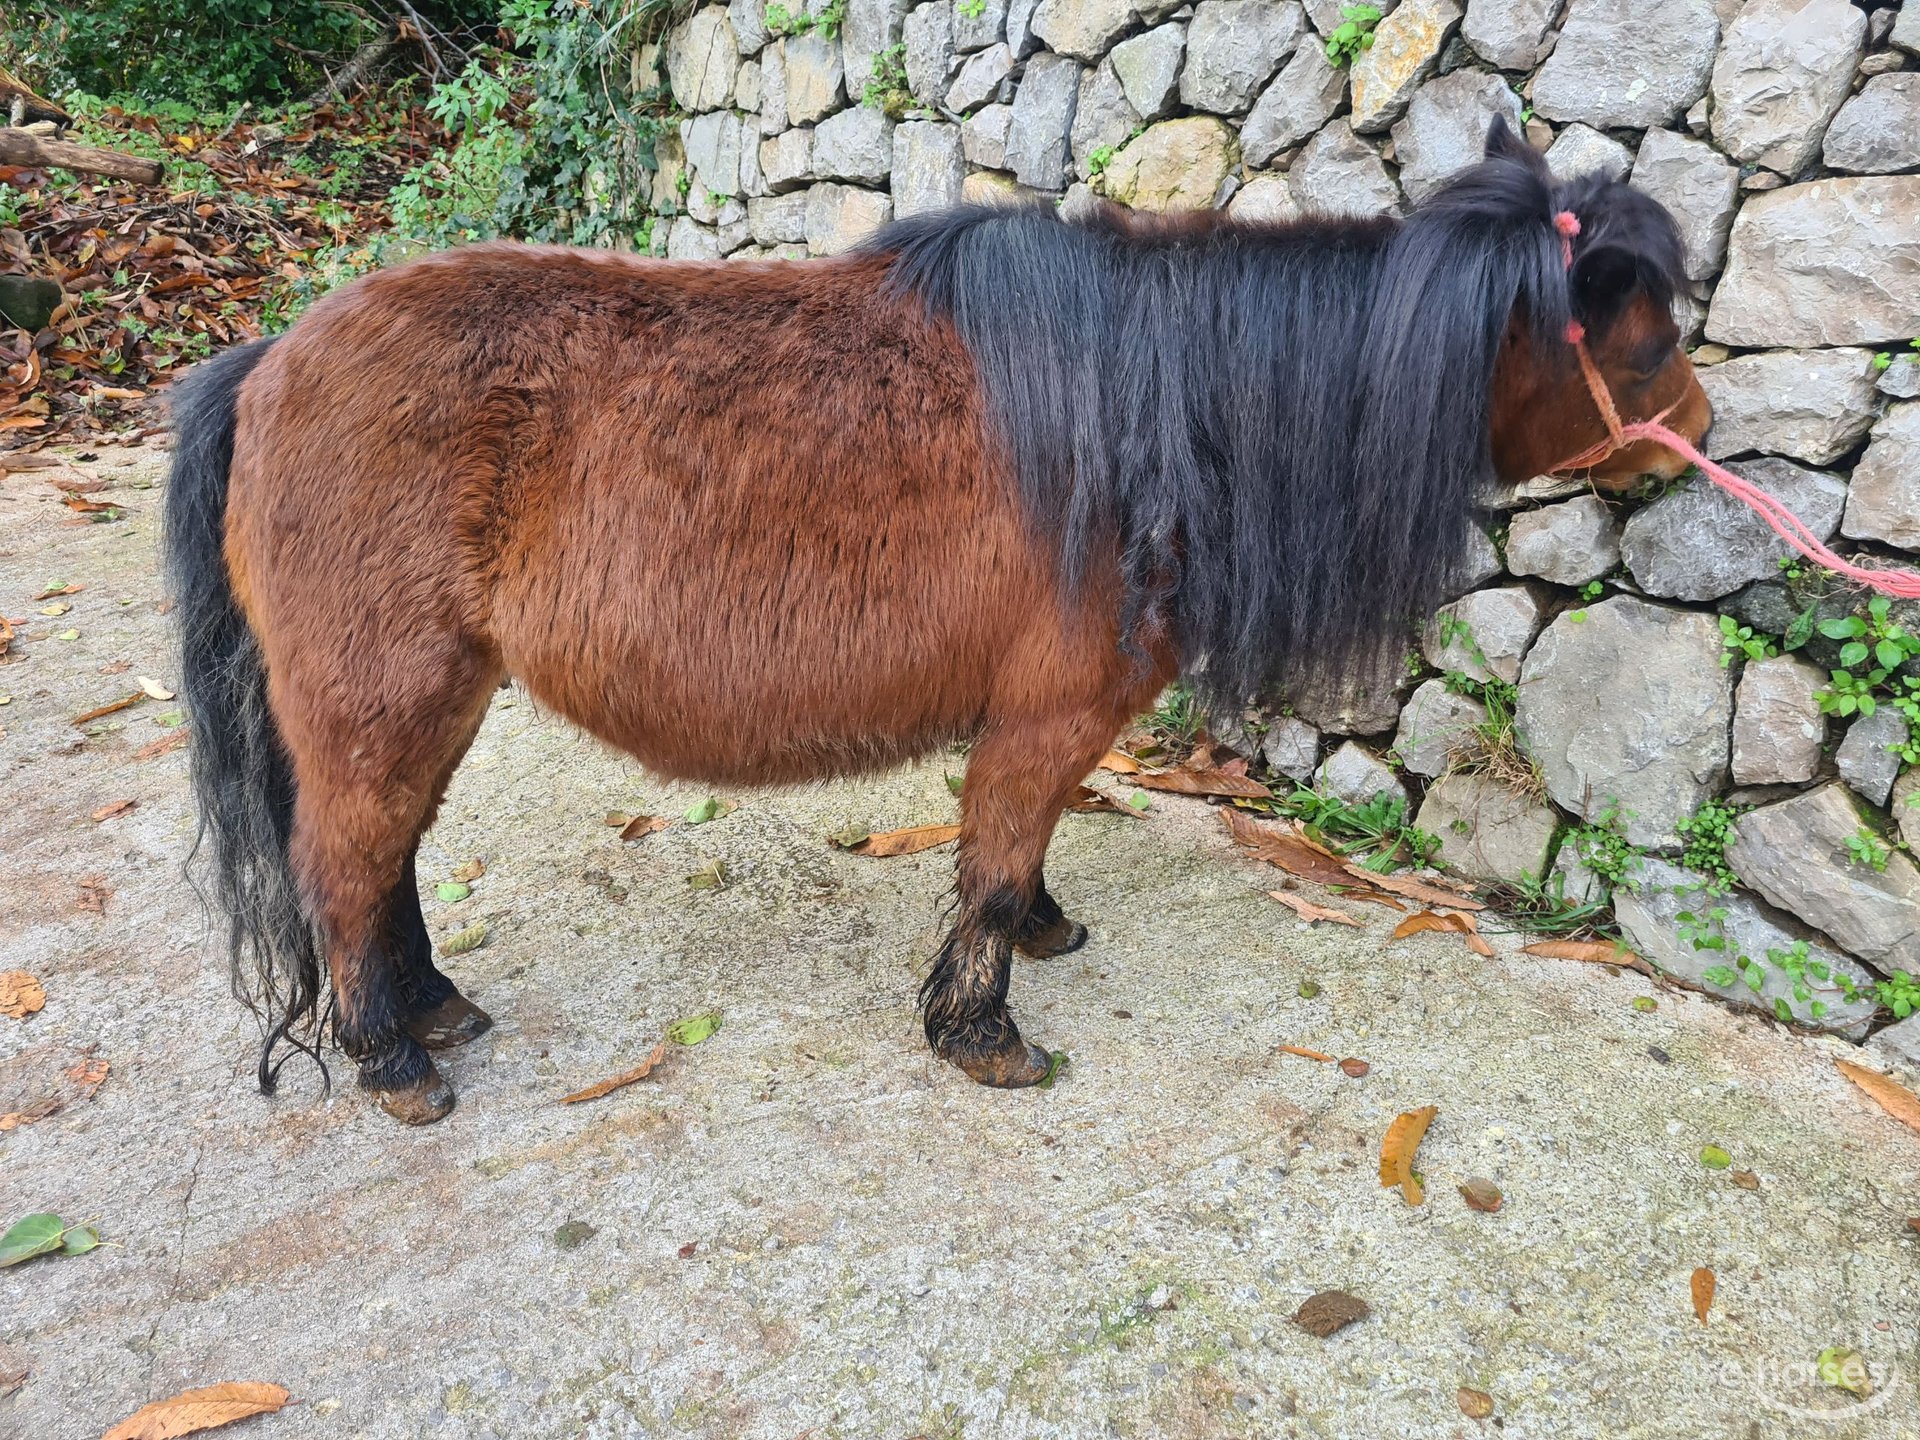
1889,1095
620,1081
469,870
1329,1311
889,843
1119,764
1745,1179
89,1075
1593,952
1354,1068
1703,1285
192,1411
1474,1404
1482,1195
1403,1137
173,740
1416,889
1303,1051
1447,922
94,894
53,590
20,994
1286,848
1186,780
118,807
1307,910
107,709
641,826
153,689
1089,801
84,506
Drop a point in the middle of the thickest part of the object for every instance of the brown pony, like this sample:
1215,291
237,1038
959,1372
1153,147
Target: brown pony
996,477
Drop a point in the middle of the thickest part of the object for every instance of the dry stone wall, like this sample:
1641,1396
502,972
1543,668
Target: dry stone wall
1659,654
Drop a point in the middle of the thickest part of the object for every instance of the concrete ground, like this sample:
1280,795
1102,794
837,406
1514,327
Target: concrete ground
804,1227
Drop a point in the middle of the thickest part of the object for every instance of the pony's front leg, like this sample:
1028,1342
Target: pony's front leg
1019,777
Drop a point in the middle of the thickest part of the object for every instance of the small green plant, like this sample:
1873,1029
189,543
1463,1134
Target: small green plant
1873,651
1602,846
1738,639
1353,34
1868,850
1706,833
1176,719
887,90
1376,833
971,9
782,21
1899,993
1098,159
1593,590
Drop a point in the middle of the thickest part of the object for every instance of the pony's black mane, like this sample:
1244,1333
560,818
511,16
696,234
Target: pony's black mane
1282,427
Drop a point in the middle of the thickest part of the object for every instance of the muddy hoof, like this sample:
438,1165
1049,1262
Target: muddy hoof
1062,937
454,1021
428,1099
1013,1068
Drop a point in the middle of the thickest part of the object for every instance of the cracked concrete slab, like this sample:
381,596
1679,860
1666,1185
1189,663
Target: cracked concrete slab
804,1227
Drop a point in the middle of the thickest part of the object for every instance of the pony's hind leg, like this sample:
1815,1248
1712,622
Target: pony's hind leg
366,786
438,1015
1019,777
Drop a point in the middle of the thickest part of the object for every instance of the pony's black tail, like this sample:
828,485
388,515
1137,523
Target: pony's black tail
241,776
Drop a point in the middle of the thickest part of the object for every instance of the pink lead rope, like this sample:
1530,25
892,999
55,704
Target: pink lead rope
1904,584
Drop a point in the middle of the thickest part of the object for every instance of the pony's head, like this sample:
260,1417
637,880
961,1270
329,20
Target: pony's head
1623,258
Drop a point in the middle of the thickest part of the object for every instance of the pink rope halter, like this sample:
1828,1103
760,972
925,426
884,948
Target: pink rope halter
1904,584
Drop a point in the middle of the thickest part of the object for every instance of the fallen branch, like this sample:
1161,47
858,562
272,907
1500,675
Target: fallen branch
364,65
17,147
23,106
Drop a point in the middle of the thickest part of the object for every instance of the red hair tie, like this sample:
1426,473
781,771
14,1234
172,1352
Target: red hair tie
1568,224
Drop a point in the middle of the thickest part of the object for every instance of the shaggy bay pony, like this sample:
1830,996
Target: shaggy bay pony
995,477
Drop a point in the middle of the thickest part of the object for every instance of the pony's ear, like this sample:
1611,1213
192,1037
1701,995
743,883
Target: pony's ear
1503,144
1604,279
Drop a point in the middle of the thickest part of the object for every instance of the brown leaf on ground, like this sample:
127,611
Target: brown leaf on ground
1703,1285
84,506
1089,801
1305,1053
192,1411
618,1082
1307,910
1354,1068
1416,889
1119,764
1330,1311
890,843
1482,1195
1446,922
1190,780
1593,952
1889,1095
88,717
53,590
20,994
1377,897
94,894
89,1075
118,807
469,870
1403,1137
1283,846
10,1381
1745,1179
641,826
172,740
153,689
1474,1404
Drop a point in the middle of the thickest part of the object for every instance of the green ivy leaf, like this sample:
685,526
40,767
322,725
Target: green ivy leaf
35,1235
1714,1158
452,891
1719,975
695,1028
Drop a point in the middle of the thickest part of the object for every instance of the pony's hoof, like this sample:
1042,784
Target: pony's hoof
1014,1067
428,1099
1062,937
454,1021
